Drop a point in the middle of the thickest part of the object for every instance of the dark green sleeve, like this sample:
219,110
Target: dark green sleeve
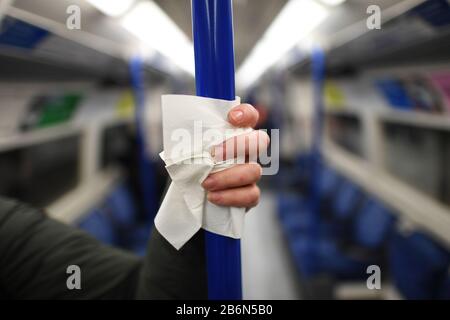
35,252
171,274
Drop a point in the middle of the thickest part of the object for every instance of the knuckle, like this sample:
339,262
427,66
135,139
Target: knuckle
253,196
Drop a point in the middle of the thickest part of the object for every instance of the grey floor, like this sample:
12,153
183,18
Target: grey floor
267,269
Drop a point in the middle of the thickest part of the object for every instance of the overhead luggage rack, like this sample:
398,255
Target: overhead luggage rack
40,38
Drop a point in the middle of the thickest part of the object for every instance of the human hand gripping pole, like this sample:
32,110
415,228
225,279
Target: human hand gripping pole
191,127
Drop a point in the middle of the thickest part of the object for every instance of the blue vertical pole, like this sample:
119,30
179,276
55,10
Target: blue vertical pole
318,78
212,22
146,166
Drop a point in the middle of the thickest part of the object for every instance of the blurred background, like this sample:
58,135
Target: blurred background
359,89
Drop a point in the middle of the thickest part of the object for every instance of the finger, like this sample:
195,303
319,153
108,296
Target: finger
242,197
237,176
243,116
246,146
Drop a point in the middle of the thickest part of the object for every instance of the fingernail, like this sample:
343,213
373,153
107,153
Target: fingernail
217,153
208,183
237,115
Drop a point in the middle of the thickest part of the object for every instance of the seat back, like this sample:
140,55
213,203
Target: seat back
418,265
98,224
120,207
347,198
328,182
372,224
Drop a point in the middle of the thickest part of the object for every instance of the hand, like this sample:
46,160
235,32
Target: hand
236,186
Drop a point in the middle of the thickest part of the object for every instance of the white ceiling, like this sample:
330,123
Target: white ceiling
251,19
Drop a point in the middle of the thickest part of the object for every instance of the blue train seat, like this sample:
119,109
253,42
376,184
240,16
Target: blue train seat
120,206
346,200
316,241
418,266
318,252
99,226
372,225
295,212
328,181
316,256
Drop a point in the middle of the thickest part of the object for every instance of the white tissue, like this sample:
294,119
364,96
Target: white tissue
185,209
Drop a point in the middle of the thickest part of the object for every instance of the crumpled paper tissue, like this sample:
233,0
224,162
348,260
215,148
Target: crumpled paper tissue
192,126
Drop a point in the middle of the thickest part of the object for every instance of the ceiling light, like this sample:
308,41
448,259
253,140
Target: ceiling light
332,2
113,8
150,24
296,20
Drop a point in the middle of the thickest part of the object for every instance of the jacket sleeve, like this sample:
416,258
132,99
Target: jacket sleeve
171,274
36,251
